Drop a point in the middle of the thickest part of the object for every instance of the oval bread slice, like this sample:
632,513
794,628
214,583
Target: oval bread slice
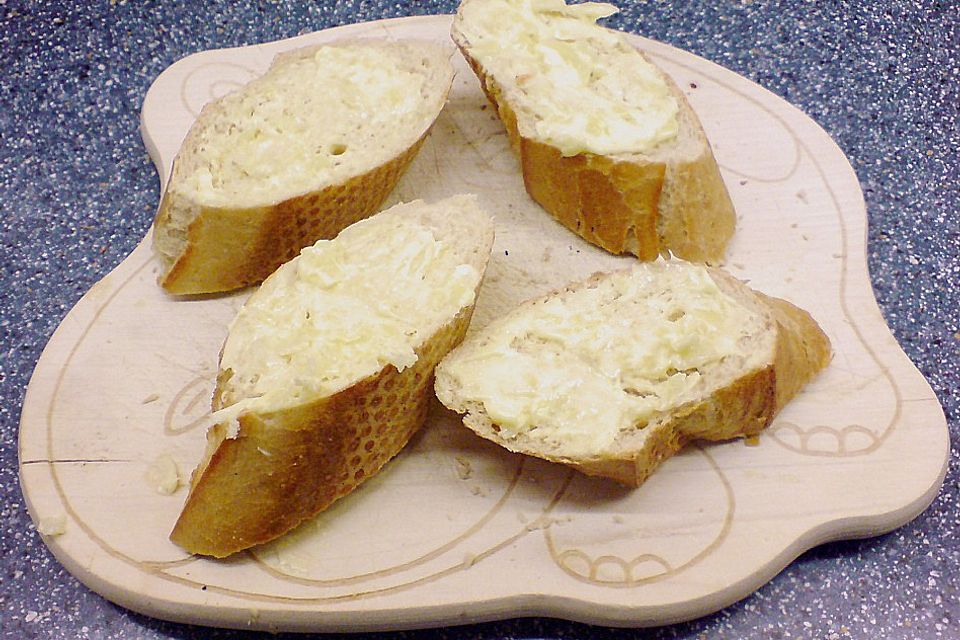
327,370
615,374
298,154
607,143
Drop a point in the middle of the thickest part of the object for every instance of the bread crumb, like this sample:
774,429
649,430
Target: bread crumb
617,518
163,475
233,429
153,397
802,196
53,525
752,441
464,470
545,522
469,559
477,490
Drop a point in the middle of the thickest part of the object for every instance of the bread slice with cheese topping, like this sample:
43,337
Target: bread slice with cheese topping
298,154
327,370
615,374
607,143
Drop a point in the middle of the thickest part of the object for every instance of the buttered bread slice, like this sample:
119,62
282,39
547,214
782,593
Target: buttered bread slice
327,370
312,146
607,143
615,374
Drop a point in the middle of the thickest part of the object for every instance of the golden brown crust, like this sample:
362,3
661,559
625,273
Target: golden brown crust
209,249
803,349
633,470
749,405
632,203
232,248
742,408
609,203
286,466
696,216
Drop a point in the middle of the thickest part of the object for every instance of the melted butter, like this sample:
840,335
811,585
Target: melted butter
548,49
581,368
341,311
302,123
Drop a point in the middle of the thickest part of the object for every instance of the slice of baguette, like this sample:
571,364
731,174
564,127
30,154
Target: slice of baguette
657,191
327,370
615,374
296,155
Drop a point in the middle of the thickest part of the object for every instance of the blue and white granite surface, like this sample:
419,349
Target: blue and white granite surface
77,192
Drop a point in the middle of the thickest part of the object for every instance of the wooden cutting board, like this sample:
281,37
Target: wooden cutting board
456,530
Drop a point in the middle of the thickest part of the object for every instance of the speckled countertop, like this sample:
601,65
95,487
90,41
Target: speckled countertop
77,192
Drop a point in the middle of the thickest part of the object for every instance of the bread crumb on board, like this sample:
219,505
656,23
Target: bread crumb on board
163,476
463,467
53,525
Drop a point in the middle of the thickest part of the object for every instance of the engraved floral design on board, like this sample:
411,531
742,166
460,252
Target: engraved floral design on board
628,564
617,537
825,440
190,406
198,89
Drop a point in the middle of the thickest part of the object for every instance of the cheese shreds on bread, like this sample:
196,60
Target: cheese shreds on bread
327,370
296,155
614,374
607,143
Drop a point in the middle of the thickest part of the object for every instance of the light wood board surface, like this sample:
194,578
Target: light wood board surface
456,530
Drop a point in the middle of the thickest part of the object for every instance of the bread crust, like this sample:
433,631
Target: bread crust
230,248
742,408
209,249
286,466
649,205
